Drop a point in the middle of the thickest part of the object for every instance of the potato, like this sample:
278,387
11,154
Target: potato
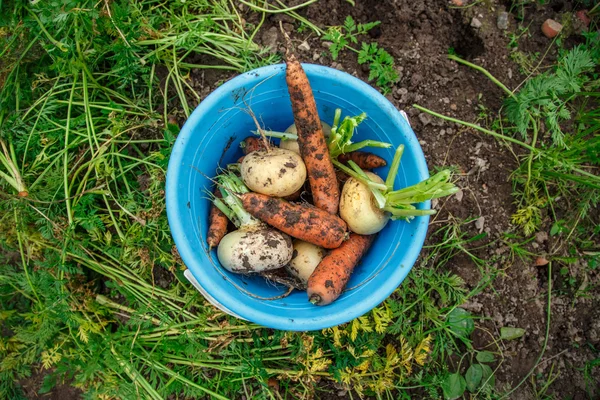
293,144
251,250
277,172
305,259
359,209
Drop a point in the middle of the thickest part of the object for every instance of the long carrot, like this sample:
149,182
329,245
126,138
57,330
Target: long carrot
301,221
217,223
313,147
333,272
363,159
251,144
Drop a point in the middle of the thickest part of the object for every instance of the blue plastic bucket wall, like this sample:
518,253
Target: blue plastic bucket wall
211,137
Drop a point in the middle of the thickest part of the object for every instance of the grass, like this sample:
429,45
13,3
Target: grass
92,291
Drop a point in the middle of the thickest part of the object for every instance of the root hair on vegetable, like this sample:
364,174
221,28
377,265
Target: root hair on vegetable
241,289
218,268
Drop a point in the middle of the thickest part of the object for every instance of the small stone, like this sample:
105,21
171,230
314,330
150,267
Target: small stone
453,107
270,38
459,196
327,45
540,262
316,56
551,28
502,21
479,224
541,237
425,119
445,100
304,46
476,23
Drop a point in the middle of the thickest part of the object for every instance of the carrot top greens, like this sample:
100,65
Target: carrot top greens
401,203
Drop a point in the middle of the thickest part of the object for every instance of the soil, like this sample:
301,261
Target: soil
419,35
62,391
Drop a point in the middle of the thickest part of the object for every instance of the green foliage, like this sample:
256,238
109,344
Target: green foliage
454,386
381,63
545,96
460,322
346,34
509,333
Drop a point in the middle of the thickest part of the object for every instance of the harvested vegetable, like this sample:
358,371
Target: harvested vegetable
217,223
313,147
274,172
367,214
359,209
292,144
301,221
253,247
305,259
251,144
333,272
363,159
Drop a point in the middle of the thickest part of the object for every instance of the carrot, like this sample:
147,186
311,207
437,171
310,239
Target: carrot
333,272
341,176
363,159
251,144
313,147
301,221
294,196
217,224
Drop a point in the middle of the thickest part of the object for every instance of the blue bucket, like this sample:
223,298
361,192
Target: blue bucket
211,138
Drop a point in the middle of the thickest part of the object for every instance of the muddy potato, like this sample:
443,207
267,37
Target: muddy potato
305,259
278,172
293,144
254,250
358,208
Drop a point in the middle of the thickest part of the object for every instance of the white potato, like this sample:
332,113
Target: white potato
251,250
305,259
359,209
278,172
293,144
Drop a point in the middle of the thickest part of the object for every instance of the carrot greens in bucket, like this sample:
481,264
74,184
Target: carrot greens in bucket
367,202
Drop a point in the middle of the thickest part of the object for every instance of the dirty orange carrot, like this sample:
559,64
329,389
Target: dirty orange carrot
301,221
294,196
217,223
363,159
313,147
251,144
341,176
333,272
